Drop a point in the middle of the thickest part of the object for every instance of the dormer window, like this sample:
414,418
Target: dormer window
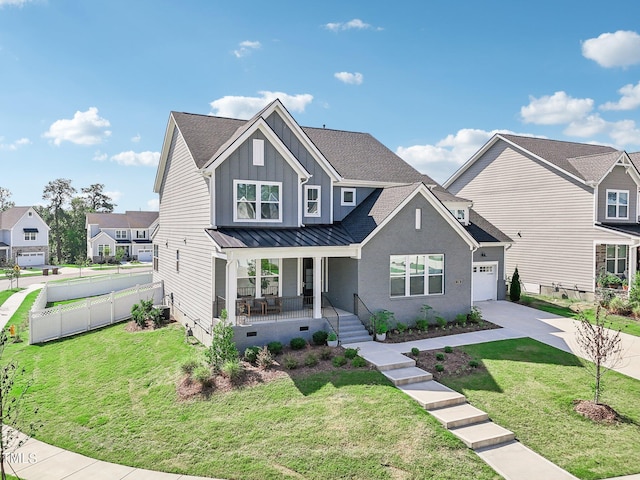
348,198
617,204
460,214
257,201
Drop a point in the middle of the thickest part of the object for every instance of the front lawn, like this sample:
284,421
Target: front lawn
570,308
529,388
111,395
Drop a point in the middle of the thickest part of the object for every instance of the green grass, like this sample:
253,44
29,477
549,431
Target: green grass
562,307
4,294
111,395
529,389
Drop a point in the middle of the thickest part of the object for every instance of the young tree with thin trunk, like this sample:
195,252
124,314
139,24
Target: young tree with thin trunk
600,345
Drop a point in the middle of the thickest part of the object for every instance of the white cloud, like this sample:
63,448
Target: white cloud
349,78
154,204
85,128
619,49
555,109
131,158
630,99
355,24
21,142
245,48
136,139
114,196
99,156
587,126
625,132
246,107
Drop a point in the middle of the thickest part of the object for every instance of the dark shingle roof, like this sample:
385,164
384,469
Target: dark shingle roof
635,159
129,219
483,231
628,228
10,217
579,159
355,156
309,236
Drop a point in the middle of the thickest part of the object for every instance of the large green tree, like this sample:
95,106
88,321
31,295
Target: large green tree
59,193
96,200
5,203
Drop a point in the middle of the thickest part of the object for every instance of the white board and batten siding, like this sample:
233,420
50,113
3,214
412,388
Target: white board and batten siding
547,214
184,214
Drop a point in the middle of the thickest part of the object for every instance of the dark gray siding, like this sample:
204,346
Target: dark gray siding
343,282
399,237
318,175
494,254
239,166
339,212
618,179
289,277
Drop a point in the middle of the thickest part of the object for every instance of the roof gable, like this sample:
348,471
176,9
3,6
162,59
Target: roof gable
131,219
10,217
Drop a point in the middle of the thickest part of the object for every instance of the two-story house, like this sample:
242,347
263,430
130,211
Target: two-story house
270,221
24,237
571,209
130,231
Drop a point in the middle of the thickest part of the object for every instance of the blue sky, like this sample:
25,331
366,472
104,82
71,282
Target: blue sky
86,87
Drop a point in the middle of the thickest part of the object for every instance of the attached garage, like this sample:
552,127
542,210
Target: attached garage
485,281
145,255
29,259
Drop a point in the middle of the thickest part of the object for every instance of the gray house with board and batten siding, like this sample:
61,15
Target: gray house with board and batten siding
570,208
290,229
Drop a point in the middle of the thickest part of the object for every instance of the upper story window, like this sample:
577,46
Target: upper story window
617,204
412,275
120,234
460,214
348,197
312,200
257,201
30,235
258,153
141,234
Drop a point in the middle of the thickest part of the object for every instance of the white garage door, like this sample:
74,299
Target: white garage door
145,255
30,258
485,282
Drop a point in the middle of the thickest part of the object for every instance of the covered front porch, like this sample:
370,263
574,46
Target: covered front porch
617,260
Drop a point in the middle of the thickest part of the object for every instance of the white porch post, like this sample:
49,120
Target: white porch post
231,290
317,287
633,261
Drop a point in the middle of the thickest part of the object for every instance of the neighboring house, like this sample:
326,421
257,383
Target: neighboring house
24,237
271,220
130,231
571,209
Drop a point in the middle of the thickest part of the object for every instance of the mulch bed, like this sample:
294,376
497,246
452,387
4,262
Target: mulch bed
597,412
455,363
435,331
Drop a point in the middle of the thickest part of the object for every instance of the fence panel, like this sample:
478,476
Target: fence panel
98,285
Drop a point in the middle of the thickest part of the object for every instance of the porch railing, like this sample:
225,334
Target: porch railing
271,308
330,314
363,313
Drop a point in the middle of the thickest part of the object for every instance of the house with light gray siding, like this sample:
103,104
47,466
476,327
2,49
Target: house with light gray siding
570,208
289,230
130,231
24,237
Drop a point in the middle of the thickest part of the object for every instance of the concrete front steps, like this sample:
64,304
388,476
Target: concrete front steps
352,330
450,408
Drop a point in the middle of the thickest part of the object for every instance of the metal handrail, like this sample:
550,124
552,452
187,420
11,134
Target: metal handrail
326,304
363,313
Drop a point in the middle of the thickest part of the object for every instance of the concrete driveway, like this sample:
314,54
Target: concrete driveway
559,332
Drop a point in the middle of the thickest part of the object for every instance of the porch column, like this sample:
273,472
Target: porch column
231,290
633,261
317,287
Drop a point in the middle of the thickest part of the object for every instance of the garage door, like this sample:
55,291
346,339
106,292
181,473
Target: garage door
485,282
30,258
145,255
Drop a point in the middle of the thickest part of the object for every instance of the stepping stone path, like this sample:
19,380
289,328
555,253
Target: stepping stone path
449,407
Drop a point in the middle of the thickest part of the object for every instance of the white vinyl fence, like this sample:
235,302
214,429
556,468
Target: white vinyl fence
96,285
46,324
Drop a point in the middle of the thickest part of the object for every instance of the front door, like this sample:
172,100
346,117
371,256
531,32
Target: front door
307,279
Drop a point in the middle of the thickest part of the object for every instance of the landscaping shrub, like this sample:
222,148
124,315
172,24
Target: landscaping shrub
202,374
290,362
251,354
422,324
358,362
265,359
439,367
311,360
461,318
415,351
275,347
297,343
189,366
143,311
442,322
223,348
475,316
339,361
514,288
351,353
440,356
326,354
634,290
636,311
231,369
448,349
320,337
401,327
474,363
619,306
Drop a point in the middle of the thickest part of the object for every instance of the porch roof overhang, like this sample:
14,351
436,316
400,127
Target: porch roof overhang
309,241
627,229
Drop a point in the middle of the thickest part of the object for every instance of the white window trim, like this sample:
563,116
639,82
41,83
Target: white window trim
617,204
343,202
258,152
307,188
408,276
258,185
259,276
30,236
418,218
616,258
121,234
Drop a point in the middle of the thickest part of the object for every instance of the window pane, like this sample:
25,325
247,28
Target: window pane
436,264
611,251
246,210
416,286
398,265
270,266
622,251
270,193
435,284
246,191
623,198
612,197
397,286
312,194
312,207
611,266
622,265
270,211
622,212
416,266
347,196
611,211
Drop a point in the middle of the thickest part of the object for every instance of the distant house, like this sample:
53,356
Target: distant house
273,221
24,237
571,209
130,231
